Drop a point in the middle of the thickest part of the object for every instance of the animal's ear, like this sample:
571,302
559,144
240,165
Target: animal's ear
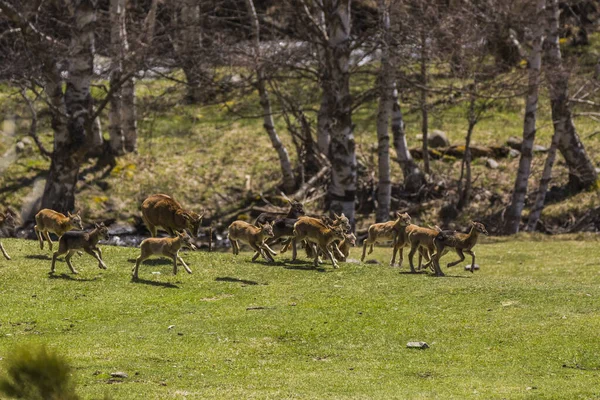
69,214
337,216
259,225
96,225
78,212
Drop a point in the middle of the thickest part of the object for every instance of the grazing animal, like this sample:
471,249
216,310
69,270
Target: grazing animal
50,221
73,241
421,239
168,247
344,246
254,236
160,210
6,220
387,231
460,242
296,211
320,236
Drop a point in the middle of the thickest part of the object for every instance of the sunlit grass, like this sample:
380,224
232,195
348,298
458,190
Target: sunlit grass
524,325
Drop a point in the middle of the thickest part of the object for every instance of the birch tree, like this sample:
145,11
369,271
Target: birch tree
342,148
515,209
386,88
582,173
289,182
119,48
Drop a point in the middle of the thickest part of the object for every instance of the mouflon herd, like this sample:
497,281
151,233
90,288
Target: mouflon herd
322,237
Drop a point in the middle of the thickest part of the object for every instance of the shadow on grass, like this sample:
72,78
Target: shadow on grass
305,266
68,277
237,280
153,261
38,257
449,276
154,283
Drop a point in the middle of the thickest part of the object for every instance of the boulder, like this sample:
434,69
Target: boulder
437,138
514,143
491,163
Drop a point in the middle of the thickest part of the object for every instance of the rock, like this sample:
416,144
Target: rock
539,149
122,375
352,261
437,138
20,147
171,327
514,143
417,345
372,261
468,267
513,153
491,163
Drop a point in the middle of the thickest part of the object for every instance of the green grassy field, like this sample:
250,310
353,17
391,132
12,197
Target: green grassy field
524,326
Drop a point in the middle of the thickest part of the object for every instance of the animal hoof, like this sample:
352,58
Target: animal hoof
75,272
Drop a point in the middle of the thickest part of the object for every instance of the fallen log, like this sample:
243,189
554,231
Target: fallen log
459,152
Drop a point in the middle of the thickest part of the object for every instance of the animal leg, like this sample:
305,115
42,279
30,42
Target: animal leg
325,250
316,253
472,259
413,249
266,256
4,252
336,250
68,260
39,236
365,244
54,257
171,232
462,257
174,258
97,250
92,253
294,250
266,247
286,245
187,269
135,269
47,235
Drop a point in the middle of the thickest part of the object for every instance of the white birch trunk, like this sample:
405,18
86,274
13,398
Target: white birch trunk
514,211
73,139
386,88
582,173
324,121
117,38
289,182
342,148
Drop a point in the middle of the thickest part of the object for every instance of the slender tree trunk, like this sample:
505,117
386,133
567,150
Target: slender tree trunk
465,170
424,111
582,173
386,87
342,148
189,52
118,51
73,137
324,121
413,176
128,95
514,211
289,182
538,207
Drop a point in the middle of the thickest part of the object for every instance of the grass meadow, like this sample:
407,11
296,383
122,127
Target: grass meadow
524,326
